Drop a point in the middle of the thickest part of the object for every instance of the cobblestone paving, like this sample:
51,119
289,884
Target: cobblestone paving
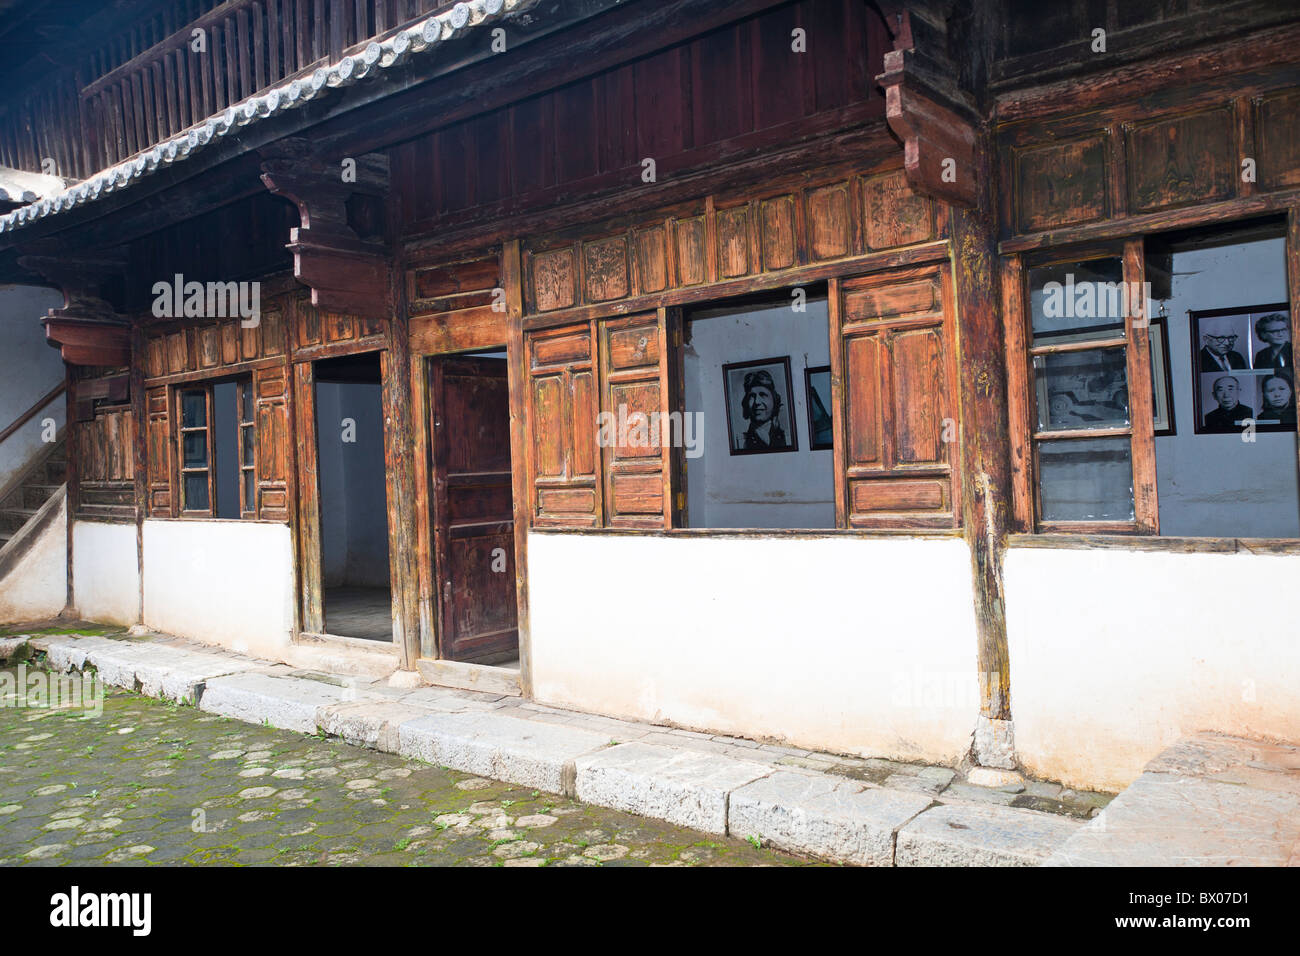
150,782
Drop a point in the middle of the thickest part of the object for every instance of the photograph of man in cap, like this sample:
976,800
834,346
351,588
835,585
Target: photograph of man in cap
760,407
757,407
1230,413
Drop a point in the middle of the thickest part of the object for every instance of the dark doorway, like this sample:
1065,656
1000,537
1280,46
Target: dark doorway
472,508
353,498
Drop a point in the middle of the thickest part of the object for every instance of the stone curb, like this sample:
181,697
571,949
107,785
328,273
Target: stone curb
978,835
14,649
155,670
529,753
834,818
821,815
686,787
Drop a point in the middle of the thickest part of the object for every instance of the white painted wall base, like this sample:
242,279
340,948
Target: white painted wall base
1117,654
840,643
37,586
222,582
105,572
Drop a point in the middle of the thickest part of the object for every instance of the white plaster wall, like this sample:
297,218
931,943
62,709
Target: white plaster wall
37,587
1117,654
222,582
105,572
779,490
29,368
847,644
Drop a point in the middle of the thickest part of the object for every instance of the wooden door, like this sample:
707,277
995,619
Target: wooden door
472,509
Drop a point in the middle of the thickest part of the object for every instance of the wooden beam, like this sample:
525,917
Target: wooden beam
344,273
938,134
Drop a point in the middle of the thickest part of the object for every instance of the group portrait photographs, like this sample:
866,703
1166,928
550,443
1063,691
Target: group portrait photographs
1243,369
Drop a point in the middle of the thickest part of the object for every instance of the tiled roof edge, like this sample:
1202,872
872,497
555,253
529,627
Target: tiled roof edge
422,37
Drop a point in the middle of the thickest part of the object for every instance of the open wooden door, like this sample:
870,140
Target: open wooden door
472,510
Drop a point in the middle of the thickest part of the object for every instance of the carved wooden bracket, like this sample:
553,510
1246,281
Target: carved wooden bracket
344,272
924,108
86,330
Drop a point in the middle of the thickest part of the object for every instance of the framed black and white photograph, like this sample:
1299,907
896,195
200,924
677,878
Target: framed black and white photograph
817,388
1243,369
759,406
1162,387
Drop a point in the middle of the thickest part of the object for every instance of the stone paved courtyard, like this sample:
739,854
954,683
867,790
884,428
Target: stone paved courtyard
153,782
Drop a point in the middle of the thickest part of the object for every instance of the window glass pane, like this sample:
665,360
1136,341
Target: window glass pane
246,402
1082,389
250,492
1072,301
196,449
196,491
246,440
194,409
1086,479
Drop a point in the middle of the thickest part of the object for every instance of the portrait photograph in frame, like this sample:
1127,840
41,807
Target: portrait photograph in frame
1242,369
817,389
760,408
1162,387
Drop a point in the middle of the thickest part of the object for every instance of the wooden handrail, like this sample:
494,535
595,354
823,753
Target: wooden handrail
27,416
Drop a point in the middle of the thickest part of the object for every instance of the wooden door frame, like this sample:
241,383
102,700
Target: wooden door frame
311,591
422,412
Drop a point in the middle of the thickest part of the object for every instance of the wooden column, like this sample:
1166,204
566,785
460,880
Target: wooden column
400,466
139,453
311,610
1293,279
70,472
512,282
985,448
1146,509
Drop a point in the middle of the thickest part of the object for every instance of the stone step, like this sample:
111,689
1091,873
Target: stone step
1209,800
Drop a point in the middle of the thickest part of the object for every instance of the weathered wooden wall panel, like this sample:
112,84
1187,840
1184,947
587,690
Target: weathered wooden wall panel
275,444
1170,150
899,397
104,449
161,498
785,226
562,407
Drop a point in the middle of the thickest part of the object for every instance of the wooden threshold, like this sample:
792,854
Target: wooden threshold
481,677
352,643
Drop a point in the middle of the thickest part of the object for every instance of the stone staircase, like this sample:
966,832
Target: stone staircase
29,496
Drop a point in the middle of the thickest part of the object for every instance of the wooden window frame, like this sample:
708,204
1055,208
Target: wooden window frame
244,395
243,391
1023,396
210,452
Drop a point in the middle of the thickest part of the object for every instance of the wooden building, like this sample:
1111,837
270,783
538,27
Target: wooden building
824,371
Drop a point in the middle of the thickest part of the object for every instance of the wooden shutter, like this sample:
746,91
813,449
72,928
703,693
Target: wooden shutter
159,452
562,405
896,437
637,470
274,452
